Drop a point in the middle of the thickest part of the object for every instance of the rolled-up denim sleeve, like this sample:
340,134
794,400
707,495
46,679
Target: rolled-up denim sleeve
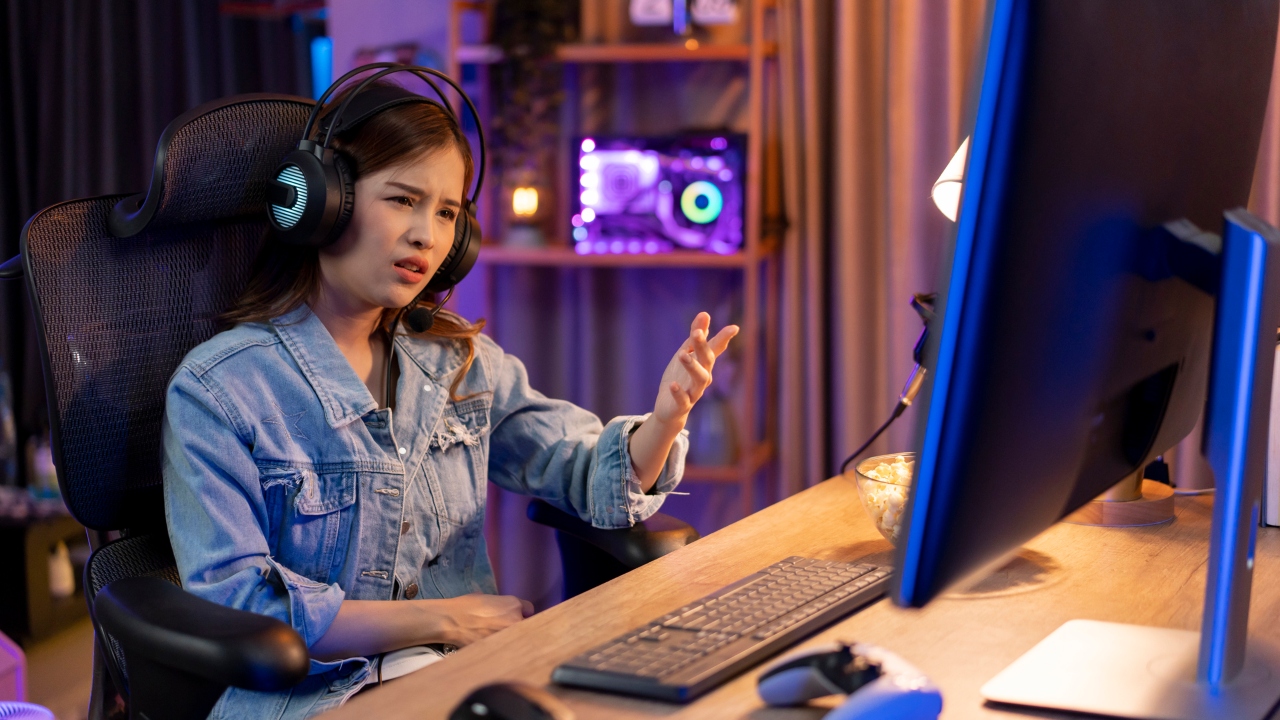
554,450
217,515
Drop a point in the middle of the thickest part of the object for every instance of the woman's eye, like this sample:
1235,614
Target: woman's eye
402,200
448,214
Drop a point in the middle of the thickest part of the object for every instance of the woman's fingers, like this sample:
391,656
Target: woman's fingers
682,397
698,373
720,342
526,608
701,350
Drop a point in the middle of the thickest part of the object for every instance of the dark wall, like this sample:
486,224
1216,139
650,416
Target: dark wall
86,88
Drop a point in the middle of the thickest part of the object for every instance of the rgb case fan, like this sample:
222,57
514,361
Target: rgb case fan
655,194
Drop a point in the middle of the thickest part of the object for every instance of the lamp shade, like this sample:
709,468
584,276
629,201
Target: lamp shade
946,189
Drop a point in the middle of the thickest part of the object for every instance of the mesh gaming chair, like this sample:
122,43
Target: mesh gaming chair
122,288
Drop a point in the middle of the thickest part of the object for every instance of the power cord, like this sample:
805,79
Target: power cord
923,305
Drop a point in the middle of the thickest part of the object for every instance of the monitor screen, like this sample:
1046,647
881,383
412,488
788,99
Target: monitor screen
658,194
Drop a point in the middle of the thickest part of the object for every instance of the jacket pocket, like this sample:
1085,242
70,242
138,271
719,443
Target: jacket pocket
459,452
311,517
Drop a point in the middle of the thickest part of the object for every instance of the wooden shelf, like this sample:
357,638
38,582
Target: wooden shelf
496,254
625,53
762,454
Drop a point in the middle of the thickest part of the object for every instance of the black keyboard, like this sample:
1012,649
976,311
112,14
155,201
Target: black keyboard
691,650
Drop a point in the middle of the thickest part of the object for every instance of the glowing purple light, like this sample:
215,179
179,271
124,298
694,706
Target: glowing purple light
589,198
588,215
695,163
651,247
582,248
714,163
576,221
726,175
580,234
633,247
617,246
601,246
719,143
588,145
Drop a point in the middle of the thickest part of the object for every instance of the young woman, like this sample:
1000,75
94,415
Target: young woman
300,484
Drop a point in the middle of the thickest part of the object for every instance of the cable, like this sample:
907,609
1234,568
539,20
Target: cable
909,392
923,304
897,410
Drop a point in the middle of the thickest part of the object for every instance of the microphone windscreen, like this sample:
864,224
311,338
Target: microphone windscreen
420,319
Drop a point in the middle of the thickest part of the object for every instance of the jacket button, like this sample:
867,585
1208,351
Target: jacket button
411,592
404,527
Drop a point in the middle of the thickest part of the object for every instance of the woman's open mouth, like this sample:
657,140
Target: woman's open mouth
410,271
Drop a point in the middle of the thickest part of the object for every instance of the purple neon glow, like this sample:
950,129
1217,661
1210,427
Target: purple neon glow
588,145
588,215
576,221
719,143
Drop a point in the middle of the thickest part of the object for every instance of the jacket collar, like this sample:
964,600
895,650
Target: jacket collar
342,393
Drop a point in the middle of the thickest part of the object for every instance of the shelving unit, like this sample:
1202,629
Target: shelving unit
758,259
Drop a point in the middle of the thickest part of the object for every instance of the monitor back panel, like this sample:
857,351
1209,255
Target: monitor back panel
1062,365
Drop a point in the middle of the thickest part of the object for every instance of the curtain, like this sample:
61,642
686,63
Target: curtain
872,96
87,87
869,101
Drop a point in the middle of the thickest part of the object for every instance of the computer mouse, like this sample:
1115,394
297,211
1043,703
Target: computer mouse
803,676
511,701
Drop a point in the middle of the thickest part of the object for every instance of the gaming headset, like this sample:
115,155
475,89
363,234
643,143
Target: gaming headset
312,193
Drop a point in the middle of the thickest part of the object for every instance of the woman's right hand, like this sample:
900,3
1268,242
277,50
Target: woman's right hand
468,618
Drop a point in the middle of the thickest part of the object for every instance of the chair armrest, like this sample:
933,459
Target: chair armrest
634,546
155,619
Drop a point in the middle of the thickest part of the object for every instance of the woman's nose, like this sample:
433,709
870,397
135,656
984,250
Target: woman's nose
422,236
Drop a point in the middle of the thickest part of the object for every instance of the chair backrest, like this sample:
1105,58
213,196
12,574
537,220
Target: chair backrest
124,287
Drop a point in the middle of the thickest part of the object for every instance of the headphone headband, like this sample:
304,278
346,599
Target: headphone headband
384,69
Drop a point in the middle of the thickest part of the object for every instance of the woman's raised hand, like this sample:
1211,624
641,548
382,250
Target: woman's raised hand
689,373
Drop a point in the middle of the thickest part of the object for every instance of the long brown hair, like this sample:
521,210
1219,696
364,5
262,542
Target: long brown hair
286,276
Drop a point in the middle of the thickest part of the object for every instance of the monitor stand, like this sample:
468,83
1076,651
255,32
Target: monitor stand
1135,671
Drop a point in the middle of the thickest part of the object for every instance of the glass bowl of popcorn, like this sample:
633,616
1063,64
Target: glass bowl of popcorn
883,483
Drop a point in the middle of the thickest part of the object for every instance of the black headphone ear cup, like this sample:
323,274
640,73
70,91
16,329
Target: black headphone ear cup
305,176
462,254
346,190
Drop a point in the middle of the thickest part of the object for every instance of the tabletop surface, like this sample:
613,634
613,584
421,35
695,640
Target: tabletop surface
1150,575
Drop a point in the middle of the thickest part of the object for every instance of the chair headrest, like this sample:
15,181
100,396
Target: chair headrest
213,163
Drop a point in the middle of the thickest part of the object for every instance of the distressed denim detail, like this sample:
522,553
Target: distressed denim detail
279,502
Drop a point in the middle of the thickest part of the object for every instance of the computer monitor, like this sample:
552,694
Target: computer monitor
1068,355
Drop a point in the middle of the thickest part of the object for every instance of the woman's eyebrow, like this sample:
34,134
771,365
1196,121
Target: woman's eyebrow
410,188
419,191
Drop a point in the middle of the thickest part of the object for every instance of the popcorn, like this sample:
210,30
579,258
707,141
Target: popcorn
887,502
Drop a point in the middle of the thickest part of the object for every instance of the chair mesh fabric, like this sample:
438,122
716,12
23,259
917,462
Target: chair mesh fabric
139,556
117,315
217,165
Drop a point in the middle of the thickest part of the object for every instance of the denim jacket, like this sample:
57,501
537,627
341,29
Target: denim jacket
287,490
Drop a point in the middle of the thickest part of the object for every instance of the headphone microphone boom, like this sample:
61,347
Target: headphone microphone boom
420,319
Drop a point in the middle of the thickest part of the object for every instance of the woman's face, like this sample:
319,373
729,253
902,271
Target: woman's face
401,230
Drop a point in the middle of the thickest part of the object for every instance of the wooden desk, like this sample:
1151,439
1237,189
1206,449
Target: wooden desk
1152,576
